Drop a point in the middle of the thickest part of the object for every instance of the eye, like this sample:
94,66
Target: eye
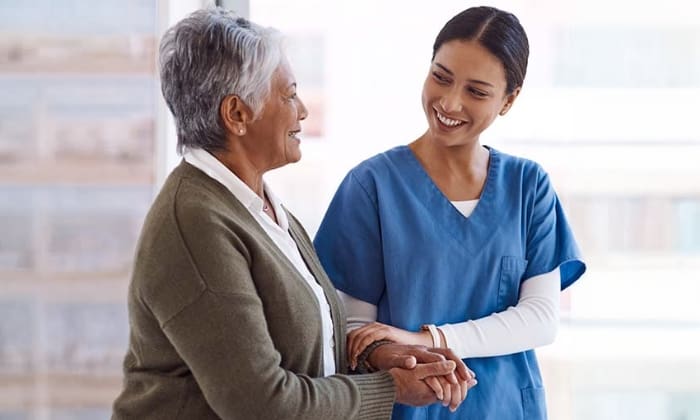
440,78
478,93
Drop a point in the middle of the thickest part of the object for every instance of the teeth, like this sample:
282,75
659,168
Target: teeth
448,121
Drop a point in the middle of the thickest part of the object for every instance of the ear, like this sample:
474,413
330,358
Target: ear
235,115
509,99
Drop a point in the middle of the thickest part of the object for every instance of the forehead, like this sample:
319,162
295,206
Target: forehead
283,76
470,60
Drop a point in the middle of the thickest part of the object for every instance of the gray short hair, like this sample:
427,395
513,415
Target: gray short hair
207,56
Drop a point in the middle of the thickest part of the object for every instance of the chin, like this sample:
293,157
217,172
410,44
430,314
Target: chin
447,140
294,157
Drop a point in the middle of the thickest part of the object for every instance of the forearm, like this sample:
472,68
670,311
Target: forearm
531,323
358,312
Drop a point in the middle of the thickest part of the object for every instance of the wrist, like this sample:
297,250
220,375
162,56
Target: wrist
443,339
425,338
435,335
365,362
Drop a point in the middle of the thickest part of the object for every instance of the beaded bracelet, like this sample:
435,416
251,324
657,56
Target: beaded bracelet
363,366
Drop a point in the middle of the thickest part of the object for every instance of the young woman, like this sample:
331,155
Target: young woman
449,243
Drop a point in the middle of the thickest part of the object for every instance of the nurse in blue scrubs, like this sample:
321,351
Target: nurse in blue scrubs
447,242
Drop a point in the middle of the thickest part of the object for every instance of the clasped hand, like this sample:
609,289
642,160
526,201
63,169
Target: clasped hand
424,376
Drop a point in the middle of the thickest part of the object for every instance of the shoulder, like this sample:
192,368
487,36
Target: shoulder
520,170
190,216
511,163
199,203
380,168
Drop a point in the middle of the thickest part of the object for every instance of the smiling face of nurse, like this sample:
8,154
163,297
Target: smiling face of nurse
478,66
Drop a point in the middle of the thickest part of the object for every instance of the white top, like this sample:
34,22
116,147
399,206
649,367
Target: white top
279,234
531,323
465,207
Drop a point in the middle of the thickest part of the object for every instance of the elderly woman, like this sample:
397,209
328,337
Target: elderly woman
231,314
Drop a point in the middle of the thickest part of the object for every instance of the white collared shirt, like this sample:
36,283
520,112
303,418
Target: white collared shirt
202,160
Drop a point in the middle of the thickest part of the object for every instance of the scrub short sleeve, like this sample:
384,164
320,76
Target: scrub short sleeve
348,241
550,241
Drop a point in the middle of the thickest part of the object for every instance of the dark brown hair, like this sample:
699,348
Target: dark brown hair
498,31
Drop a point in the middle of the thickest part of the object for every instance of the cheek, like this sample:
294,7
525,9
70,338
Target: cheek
487,116
426,93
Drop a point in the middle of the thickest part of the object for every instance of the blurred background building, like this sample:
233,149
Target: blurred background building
608,108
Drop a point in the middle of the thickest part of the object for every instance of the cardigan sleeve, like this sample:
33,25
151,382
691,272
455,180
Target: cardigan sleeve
223,340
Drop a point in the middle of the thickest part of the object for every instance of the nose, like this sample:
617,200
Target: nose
302,111
451,101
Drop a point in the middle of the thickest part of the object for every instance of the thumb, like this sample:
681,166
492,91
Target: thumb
403,361
442,368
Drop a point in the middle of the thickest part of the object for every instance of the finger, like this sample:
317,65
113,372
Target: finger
452,378
424,355
446,390
369,334
352,359
354,334
457,397
353,345
442,368
461,370
434,384
410,362
362,342
401,361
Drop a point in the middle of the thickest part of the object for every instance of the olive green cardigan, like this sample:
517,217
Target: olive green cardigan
222,324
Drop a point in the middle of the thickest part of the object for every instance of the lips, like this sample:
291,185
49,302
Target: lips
294,134
448,122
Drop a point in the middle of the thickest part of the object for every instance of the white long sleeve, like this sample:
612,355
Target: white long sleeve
531,323
357,312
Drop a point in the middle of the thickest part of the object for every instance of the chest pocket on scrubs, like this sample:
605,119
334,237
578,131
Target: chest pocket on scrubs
512,270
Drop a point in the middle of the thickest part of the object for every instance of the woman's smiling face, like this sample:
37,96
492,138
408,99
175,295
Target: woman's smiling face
464,92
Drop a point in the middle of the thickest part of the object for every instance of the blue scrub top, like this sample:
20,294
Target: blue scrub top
391,238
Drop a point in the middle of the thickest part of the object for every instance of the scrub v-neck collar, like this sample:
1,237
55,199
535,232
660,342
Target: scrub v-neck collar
471,232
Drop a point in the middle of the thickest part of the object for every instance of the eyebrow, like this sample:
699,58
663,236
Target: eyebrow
448,71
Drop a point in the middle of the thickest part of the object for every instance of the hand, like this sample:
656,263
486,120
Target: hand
450,389
411,387
408,356
452,393
449,394
362,337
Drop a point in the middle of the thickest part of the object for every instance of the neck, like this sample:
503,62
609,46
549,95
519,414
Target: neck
244,168
467,161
